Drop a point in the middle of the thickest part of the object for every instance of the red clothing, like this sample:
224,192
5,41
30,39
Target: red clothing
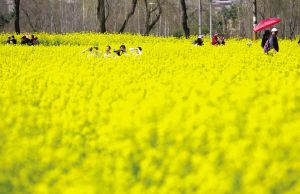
215,40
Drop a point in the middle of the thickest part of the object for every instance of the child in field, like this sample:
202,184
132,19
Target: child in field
136,51
107,53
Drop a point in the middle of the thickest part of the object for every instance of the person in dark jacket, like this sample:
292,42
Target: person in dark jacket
25,41
299,41
199,41
266,37
13,40
122,51
273,40
8,41
32,40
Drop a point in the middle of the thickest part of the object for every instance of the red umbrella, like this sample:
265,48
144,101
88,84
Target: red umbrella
266,23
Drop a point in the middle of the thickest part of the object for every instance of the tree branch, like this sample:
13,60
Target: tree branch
129,15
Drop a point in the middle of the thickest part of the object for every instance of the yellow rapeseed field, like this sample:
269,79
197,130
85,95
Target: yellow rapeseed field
178,119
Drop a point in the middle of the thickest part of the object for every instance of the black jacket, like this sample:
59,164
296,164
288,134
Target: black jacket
199,42
274,43
14,41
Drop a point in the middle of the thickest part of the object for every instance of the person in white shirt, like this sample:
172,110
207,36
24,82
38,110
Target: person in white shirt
136,51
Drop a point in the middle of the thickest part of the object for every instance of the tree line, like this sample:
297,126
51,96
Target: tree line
158,17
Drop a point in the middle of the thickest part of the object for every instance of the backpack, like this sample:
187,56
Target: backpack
267,47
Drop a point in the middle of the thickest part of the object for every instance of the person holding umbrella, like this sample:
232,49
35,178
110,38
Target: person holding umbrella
266,37
273,40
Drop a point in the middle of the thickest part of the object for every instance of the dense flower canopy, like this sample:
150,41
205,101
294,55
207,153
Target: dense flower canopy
177,119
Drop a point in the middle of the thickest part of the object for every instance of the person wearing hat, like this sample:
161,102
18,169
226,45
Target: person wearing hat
273,40
199,41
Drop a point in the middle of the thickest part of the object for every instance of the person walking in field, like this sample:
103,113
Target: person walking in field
266,37
273,41
107,53
299,41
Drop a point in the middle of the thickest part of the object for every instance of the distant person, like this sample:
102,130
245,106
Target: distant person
199,41
8,41
25,41
299,41
92,50
32,40
221,40
37,42
122,51
136,51
215,40
108,53
13,40
267,43
274,41
266,37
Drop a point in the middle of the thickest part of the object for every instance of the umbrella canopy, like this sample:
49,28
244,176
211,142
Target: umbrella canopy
266,23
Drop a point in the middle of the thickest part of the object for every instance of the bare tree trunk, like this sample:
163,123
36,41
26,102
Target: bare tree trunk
150,23
29,20
184,19
17,16
62,16
293,19
101,15
200,17
129,15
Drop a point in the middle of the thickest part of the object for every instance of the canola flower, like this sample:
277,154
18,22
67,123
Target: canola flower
177,119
